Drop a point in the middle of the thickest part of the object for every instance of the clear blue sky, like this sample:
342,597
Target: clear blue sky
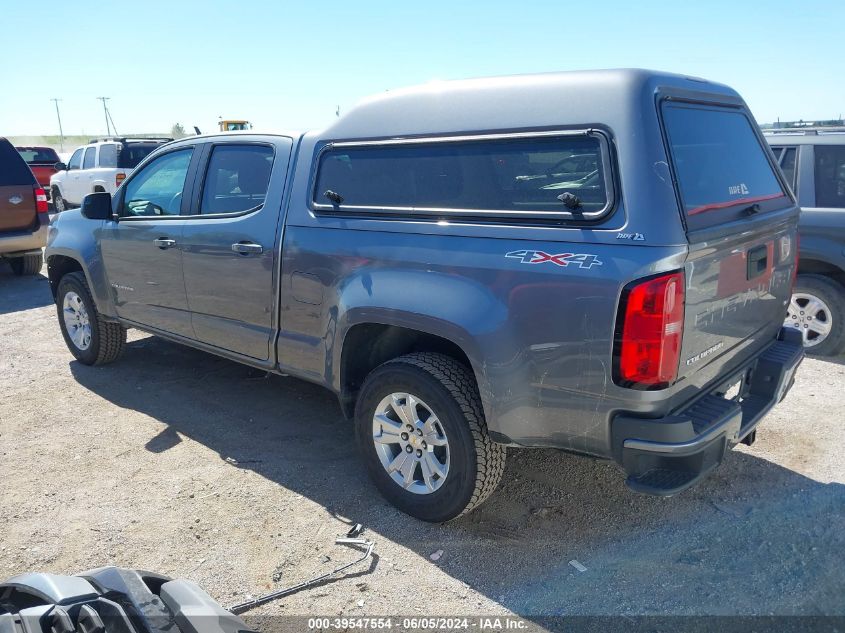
287,65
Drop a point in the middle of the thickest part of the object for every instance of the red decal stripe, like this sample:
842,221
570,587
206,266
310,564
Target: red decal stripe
730,203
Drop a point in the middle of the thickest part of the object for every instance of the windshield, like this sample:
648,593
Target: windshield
34,155
719,161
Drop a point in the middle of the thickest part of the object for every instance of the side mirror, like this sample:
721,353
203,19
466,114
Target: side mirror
97,206
60,166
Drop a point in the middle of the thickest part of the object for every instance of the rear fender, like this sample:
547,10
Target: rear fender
461,312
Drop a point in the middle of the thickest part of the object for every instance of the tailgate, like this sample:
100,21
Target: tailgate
741,225
42,174
738,287
17,208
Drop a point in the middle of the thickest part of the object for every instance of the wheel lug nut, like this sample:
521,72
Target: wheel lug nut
419,432
424,445
419,453
404,436
409,449
410,428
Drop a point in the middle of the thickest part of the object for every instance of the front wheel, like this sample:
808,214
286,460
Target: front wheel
817,310
89,337
59,203
422,433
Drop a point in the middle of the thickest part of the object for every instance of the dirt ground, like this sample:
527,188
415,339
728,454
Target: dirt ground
180,462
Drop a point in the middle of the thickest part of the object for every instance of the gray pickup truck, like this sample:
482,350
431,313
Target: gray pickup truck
598,262
813,162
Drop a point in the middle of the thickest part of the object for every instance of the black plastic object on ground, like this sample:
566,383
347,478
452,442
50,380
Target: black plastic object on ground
110,600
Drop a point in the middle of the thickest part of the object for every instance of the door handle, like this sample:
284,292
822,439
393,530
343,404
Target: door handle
164,242
245,248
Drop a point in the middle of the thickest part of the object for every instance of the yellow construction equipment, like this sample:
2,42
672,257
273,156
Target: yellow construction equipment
234,125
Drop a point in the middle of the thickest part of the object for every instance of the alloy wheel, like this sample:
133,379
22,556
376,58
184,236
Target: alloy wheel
76,319
411,443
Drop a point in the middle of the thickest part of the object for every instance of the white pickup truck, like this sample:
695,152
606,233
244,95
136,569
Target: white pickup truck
99,166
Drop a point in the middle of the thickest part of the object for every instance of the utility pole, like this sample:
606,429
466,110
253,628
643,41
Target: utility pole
59,117
106,114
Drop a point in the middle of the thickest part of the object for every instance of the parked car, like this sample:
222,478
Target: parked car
42,162
401,259
813,161
99,166
23,213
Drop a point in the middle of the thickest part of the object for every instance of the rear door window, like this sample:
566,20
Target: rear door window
237,178
532,176
13,168
90,156
720,165
830,176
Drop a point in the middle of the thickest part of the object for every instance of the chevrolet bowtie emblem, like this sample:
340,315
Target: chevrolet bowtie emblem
15,199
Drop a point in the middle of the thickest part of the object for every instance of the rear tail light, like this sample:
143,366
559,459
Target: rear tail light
40,200
119,177
795,267
649,331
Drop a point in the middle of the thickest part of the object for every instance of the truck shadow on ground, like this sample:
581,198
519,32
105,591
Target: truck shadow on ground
754,538
22,293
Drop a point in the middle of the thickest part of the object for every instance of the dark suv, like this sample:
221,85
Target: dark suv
813,161
23,213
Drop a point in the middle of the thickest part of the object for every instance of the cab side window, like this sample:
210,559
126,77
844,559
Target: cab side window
75,160
90,155
830,176
157,189
237,178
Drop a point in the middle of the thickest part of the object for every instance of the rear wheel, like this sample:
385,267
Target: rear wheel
27,265
59,203
817,310
421,430
89,337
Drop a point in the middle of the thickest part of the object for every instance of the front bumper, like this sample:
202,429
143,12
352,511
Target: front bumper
666,455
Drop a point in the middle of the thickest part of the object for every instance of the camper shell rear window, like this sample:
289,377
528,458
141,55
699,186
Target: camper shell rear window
557,175
721,168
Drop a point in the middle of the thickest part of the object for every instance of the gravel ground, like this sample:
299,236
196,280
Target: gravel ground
190,465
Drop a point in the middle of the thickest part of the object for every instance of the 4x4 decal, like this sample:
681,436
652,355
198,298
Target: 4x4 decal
582,260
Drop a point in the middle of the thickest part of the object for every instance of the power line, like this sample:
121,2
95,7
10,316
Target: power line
106,115
59,117
113,126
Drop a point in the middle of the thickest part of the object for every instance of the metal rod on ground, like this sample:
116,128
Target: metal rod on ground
246,606
59,117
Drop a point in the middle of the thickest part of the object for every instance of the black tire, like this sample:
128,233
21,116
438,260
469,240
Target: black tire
59,203
833,295
107,339
449,389
27,265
